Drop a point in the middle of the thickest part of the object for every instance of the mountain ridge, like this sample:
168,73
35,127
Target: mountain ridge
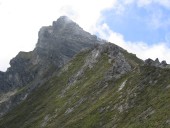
52,41
56,45
73,79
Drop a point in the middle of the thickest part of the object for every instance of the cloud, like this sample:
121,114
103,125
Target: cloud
159,20
167,37
165,3
21,21
141,3
141,49
156,19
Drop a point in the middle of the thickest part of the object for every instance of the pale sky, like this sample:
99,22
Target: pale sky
140,26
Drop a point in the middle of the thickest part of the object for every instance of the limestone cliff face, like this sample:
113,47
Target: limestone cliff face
102,86
57,44
156,63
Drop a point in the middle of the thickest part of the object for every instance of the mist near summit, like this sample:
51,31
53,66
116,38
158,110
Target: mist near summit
142,26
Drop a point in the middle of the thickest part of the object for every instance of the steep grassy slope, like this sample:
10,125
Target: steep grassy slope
56,45
89,92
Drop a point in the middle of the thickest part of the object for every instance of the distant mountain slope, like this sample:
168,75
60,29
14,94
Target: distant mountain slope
57,44
102,87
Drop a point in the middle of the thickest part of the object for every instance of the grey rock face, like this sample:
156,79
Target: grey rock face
120,65
156,63
56,45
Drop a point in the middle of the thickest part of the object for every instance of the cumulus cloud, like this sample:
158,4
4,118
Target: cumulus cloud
159,20
140,3
144,2
141,49
21,21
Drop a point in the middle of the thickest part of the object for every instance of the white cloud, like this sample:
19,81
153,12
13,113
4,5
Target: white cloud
167,37
156,19
144,2
21,21
164,3
141,49
126,2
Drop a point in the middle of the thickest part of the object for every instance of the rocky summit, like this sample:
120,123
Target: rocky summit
57,44
73,79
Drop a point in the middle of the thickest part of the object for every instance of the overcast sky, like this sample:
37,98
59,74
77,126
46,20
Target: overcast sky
140,26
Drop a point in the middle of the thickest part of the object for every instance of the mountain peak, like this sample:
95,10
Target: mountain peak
64,21
64,31
59,84
156,63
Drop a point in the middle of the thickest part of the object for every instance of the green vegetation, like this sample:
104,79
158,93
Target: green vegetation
91,101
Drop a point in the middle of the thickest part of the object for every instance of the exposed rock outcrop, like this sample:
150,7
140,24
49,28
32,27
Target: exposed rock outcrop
57,44
156,63
119,64
101,86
